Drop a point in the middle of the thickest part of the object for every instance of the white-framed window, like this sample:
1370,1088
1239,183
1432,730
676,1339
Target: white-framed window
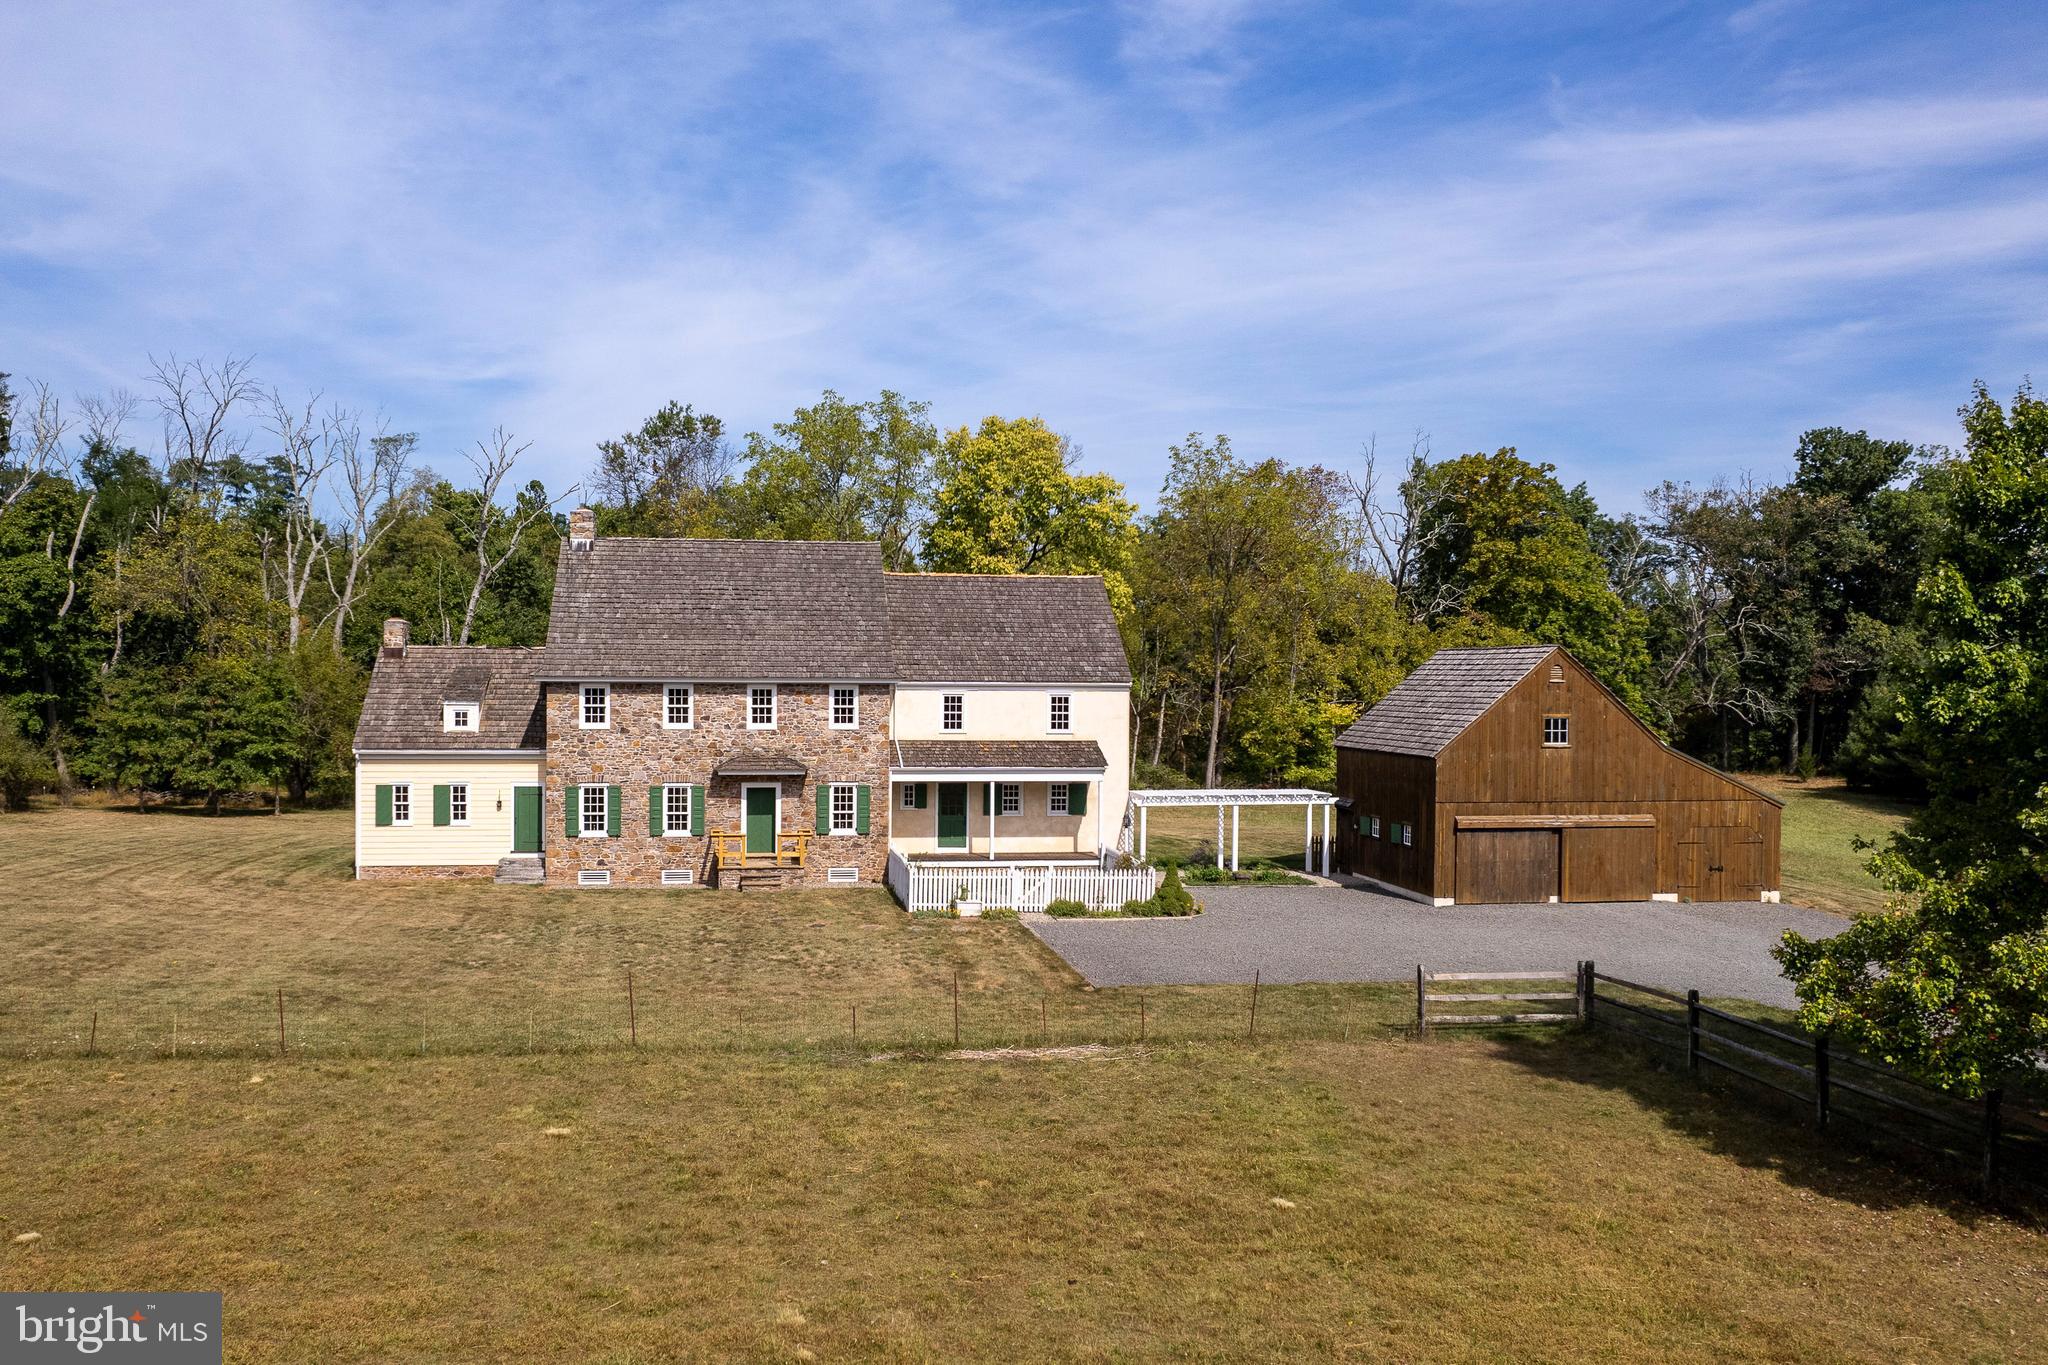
1009,798
953,711
458,803
595,713
844,808
1557,732
1373,827
596,818
910,796
1060,714
1056,798
845,707
458,715
401,803
1407,836
761,706
675,809
678,706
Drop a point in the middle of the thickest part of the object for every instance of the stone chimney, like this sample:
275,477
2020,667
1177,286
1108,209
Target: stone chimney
582,528
397,635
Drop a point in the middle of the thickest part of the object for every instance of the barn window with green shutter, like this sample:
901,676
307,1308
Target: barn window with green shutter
383,803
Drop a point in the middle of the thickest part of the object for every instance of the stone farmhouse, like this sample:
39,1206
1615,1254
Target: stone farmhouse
736,713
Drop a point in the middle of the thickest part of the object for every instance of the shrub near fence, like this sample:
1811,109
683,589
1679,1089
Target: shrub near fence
2005,1145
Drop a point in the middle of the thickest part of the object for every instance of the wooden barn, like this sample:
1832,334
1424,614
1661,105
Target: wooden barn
1495,776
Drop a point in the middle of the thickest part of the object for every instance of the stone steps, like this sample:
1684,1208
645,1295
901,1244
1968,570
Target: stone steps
759,878
521,869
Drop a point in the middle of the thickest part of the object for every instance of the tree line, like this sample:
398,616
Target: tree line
200,617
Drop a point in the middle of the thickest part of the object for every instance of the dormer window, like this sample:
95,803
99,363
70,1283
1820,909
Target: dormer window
459,716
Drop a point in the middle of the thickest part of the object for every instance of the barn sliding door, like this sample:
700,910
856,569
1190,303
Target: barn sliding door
1610,863
1507,866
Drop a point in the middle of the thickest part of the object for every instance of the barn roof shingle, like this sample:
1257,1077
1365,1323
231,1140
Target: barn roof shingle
402,709
1433,705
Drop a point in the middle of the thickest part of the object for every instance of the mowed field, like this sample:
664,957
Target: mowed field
777,1190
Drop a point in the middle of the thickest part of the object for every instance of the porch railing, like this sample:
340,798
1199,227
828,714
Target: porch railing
729,850
1016,886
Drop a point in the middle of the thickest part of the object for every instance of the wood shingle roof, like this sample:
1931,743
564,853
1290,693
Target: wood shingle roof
403,707
1433,705
1028,628
1050,755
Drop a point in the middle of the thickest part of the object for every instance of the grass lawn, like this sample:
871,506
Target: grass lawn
1468,1200
177,930
768,1188
1822,820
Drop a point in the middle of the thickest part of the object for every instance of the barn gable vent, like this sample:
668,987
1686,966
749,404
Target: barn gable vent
679,876
594,876
843,875
1557,673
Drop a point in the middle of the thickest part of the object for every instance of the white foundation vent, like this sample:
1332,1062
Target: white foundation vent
594,876
679,876
842,875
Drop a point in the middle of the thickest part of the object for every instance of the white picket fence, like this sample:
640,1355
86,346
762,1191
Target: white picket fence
1016,886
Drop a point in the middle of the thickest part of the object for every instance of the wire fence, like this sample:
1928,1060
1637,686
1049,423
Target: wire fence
661,1016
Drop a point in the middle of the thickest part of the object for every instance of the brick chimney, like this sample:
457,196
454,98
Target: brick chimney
582,528
397,635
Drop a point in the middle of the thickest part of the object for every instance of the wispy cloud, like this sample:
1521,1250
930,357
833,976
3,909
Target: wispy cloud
561,218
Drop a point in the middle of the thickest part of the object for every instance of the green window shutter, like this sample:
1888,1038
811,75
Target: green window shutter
920,794
611,812
824,809
697,810
1077,798
440,804
1361,824
984,797
572,810
657,808
383,803
860,809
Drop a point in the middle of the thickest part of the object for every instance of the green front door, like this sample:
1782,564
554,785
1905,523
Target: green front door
952,815
526,819
760,820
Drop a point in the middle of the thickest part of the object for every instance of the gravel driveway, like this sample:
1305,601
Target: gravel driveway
1293,934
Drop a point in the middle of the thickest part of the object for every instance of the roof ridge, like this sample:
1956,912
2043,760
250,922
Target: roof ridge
949,573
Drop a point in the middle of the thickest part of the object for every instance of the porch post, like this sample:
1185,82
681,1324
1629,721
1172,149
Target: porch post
1308,832
1144,828
1219,836
1233,838
991,822
1326,837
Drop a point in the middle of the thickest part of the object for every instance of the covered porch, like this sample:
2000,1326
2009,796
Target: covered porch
977,801
1315,854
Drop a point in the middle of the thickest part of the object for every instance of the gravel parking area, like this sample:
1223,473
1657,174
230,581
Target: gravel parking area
1291,934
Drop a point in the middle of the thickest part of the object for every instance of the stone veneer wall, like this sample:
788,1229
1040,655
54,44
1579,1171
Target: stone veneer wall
635,752
383,873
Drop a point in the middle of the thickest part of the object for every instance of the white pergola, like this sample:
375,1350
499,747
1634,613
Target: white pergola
1235,799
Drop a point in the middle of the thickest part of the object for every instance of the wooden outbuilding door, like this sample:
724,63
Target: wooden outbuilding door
1725,865
952,815
1506,866
1610,862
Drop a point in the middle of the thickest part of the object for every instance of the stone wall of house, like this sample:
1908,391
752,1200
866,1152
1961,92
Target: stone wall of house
427,873
635,752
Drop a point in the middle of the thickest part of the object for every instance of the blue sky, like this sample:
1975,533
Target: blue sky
1641,241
